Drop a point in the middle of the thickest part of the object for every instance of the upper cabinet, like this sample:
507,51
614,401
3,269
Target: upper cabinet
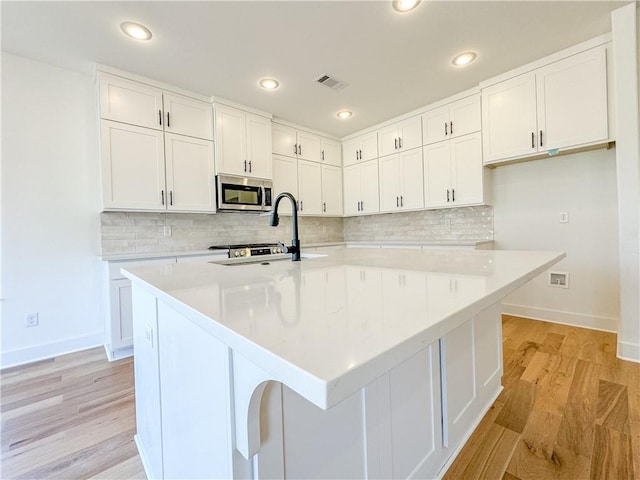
559,106
304,145
452,120
156,148
399,137
401,181
135,103
360,149
243,143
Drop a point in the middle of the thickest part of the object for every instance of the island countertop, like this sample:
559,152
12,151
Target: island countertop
329,325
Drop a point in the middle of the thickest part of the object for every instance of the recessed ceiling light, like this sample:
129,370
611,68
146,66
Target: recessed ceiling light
405,5
344,114
463,59
269,83
135,30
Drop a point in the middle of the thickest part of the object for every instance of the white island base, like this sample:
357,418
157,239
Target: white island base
213,403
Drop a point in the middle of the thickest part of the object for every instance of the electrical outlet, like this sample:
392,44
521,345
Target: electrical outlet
167,231
564,217
31,320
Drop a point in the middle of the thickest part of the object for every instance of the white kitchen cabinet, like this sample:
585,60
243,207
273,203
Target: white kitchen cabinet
361,188
400,136
360,149
136,103
148,170
453,172
291,142
309,188
559,106
133,173
331,152
243,143
452,120
285,179
190,174
331,190
401,181
471,370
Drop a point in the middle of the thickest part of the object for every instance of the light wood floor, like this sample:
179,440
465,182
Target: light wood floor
570,409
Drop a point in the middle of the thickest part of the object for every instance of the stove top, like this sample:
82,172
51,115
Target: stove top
249,249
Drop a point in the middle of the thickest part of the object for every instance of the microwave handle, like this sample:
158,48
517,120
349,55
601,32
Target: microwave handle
263,195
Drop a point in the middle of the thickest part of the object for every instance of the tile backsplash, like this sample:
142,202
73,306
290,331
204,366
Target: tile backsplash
137,232
450,224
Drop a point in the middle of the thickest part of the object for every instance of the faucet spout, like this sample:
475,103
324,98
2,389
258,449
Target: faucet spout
294,249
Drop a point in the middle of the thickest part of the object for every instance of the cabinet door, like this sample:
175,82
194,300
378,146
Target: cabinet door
352,191
231,155
410,133
435,125
309,188
190,174
130,102
369,146
284,141
509,118
388,140
133,174
389,183
331,190
331,152
437,174
572,101
309,146
121,321
459,389
369,186
464,116
188,116
351,152
411,179
259,146
466,170
285,179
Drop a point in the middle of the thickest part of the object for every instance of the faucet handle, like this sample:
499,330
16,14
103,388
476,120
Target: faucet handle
283,248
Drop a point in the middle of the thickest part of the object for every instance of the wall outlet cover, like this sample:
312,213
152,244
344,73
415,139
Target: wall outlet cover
559,279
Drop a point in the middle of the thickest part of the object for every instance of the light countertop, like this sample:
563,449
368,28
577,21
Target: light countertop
125,257
329,325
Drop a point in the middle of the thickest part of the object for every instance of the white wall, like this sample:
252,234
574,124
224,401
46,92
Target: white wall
625,24
50,205
528,198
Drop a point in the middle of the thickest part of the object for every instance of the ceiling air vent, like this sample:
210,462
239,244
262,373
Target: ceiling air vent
332,83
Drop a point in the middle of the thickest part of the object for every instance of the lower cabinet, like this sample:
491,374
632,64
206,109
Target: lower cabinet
118,329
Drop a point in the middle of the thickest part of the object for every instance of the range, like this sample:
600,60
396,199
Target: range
250,249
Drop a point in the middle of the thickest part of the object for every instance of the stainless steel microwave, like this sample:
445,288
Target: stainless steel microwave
243,194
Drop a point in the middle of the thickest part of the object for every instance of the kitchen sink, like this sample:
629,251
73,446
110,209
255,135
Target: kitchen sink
263,260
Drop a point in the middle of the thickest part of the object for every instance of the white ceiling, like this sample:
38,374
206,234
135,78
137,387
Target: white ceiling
392,62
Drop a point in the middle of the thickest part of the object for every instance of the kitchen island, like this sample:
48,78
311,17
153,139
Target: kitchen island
354,363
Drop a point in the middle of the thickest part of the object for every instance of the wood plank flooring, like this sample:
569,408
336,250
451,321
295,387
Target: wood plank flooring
72,416
569,410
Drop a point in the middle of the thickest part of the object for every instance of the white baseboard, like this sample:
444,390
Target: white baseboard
41,352
143,457
565,318
629,351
